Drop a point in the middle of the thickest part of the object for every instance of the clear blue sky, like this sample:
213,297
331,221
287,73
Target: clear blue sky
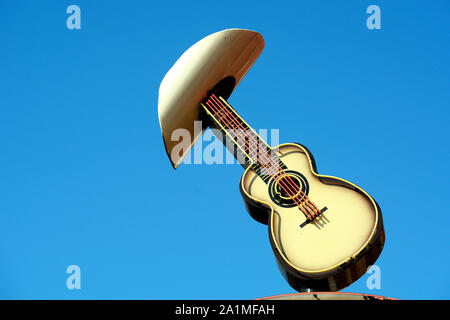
84,178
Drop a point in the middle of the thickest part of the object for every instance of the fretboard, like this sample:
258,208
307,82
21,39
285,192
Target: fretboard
240,139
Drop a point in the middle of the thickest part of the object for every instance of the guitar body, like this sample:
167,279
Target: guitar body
329,252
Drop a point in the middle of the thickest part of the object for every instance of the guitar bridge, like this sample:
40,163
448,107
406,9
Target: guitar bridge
308,221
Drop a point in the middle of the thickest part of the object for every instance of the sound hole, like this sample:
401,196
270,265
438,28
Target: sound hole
288,189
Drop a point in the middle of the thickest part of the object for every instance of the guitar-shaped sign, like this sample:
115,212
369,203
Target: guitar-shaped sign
324,231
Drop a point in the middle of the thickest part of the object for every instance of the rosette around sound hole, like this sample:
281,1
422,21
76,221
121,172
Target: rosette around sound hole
288,188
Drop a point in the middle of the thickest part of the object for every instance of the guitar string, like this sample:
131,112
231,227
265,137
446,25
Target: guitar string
308,202
306,205
310,213
238,138
279,169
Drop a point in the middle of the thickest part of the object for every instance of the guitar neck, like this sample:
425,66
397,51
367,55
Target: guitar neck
239,138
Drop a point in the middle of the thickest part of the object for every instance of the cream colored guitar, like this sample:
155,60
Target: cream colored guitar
324,231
